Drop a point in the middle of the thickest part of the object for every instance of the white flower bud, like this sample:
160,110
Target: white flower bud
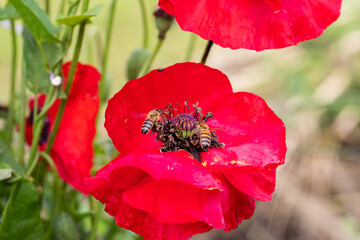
55,81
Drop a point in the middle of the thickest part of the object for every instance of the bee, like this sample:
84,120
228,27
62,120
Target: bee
205,136
150,120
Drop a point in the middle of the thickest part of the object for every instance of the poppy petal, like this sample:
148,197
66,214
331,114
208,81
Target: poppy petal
255,24
253,135
128,109
72,150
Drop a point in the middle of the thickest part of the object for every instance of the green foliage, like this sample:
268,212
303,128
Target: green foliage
136,61
74,20
65,228
7,158
9,12
21,217
36,74
36,20
5,173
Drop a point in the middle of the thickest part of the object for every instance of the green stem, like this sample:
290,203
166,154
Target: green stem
58,188
32,164
207,51
95,220
108,37
22,119
145,24
43,57
148,63
69,81
62,7
111,232
190,47
2,207
47,6
10,116
38,125
105,57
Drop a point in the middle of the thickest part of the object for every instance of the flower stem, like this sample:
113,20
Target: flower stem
69,82
95,220
190,47
38,124
206,52
10,116
148,63
145,24
47,6
58,188
107,43
22,120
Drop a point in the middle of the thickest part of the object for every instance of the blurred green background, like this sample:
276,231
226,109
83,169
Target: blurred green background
314,87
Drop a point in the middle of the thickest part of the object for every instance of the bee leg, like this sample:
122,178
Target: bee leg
207,116
194,153
216,143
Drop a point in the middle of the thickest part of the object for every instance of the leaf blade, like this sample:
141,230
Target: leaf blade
36,19
21,217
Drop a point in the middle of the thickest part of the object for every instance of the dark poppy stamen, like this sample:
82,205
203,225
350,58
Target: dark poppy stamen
45,131
182,130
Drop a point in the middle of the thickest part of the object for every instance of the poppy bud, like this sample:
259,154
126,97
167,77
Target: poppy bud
136,61
163,22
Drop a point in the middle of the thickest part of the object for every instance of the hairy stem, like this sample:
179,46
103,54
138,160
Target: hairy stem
10,116
148,63
207,51
69,82
105,56
145,23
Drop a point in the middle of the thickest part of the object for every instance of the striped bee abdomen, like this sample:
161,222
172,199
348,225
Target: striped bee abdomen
147,125
205,138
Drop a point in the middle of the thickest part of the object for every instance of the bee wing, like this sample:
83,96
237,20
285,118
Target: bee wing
218,129
139,115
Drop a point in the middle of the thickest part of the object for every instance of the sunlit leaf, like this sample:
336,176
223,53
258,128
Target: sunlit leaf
5,174
36,20
9,12
74,20
21,217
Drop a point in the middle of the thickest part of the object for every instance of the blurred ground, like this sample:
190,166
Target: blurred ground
314,87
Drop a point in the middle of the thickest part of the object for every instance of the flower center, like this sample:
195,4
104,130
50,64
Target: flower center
45,129
181,129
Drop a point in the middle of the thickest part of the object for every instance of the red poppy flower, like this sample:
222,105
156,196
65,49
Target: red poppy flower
254,24
72,151
176,194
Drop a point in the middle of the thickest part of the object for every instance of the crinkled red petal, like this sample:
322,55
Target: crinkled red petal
172,195
127,110
255,145
254,136
73,151
137,220
257,184
255,24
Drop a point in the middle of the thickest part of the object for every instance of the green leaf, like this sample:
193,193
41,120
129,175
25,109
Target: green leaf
74,20
36,20
21,217
7,158
37,78
9,12
5,174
